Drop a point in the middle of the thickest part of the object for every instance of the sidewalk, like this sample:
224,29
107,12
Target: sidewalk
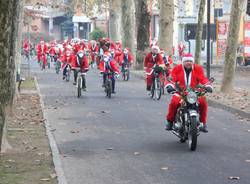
29,159
238,102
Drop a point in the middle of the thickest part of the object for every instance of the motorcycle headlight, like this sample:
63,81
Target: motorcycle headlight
80,55
192,97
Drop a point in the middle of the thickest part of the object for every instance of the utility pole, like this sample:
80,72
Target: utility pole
208,38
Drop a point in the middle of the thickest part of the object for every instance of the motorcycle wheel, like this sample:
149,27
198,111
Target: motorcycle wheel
192,135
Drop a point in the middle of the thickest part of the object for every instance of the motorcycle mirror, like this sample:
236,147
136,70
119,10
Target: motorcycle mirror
211,79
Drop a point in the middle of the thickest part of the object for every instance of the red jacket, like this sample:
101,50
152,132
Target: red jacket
26,45
52,51
127,57
67,59
112,65
41,49
149,62
118,56
196,77
84,64
93,50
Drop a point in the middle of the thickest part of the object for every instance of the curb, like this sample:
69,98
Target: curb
212,103
53,146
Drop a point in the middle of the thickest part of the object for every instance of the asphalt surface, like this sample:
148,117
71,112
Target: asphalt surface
122,140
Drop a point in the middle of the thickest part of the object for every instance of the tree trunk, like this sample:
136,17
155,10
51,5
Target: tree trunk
18,56
128,24
198,37
115,20
166,25
142,28
232,42
9,16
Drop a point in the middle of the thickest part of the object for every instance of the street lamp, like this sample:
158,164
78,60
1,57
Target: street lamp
208,38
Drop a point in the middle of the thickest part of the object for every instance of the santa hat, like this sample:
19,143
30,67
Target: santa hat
127,50
156,48
187,57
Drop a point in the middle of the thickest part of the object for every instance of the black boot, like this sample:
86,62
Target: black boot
169,125
203,128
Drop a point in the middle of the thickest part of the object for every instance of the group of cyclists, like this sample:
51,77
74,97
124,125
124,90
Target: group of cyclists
78,55
111,59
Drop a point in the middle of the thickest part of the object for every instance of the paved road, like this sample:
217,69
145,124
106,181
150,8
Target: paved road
108,133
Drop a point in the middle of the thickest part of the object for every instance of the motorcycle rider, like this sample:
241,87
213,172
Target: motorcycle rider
187,75
108,63
152,58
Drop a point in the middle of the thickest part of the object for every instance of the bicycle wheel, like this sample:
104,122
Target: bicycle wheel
67,76
123,74
79,91
108,88
152,90
126,78
158,89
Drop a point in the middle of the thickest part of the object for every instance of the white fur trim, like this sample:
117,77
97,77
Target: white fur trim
187,59
169,85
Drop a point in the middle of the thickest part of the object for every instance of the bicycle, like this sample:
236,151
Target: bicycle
156,88
125,71
108,83
80,81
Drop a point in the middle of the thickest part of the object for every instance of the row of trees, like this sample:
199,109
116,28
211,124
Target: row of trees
238,8
132,24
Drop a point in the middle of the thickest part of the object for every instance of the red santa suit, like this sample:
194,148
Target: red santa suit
94,49
81,63
67,58
26,47
149,62
76,47
181,48
42,49
118,56
52,50
126,57
112,65
195,77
